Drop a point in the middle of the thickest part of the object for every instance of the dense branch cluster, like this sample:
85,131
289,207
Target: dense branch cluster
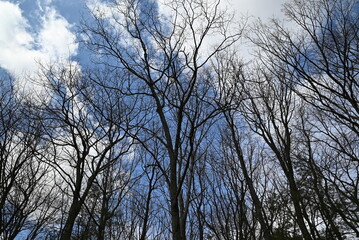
171,135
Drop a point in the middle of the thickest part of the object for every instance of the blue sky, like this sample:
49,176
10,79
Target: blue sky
33,31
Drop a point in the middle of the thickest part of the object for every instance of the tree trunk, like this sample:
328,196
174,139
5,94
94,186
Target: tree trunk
175,217
70,221
294,192
258,208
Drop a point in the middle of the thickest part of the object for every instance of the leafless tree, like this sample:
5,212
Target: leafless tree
170,136
321,61
85,140
164,59
231,80
24,194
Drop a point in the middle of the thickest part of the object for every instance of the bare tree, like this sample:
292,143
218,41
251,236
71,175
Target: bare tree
269,112
170,136
164,59
24,193
85,140
321,60
230,74
323,55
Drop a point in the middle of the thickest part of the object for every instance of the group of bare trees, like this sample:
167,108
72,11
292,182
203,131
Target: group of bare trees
170,135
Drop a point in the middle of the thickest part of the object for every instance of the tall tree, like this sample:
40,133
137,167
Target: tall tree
320,59
85,140
24,192
164,59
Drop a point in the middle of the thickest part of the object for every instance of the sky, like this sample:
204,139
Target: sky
258,8
44,31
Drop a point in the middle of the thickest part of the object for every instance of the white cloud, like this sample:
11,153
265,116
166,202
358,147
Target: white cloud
257,8
22,50
55,38
15,41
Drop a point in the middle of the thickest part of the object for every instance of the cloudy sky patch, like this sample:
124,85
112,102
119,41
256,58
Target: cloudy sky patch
42,31
22,46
